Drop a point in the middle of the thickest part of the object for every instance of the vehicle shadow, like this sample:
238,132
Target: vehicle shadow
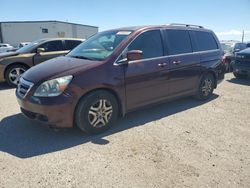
24,138
5,86
240,81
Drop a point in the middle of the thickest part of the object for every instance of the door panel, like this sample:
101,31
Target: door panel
184,64
145,77
145,82
184,73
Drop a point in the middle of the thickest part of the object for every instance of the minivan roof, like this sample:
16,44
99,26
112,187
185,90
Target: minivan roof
185,27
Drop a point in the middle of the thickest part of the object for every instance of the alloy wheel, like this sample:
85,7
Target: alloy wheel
207,87
15,74
100,113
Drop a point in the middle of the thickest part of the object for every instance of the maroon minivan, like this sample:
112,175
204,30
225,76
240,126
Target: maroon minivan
121,70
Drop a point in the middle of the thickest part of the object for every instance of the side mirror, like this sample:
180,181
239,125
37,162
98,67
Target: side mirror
134,55
40,50
236,50
248,45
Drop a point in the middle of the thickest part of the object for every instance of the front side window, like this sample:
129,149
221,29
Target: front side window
70,44
100,46
205,41
178,42
27,48
150,43
52,46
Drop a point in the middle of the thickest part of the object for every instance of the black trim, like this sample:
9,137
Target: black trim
49,21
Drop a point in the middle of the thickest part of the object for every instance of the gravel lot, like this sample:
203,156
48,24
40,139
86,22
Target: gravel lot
184,143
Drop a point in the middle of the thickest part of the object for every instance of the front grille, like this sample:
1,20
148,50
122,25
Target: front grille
23,87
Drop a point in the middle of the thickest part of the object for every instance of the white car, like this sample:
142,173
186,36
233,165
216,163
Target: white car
5,47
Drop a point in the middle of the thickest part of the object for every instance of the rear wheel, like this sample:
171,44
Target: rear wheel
13,74
97,112
241,76
206,87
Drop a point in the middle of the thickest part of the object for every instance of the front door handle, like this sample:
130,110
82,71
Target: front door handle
176,62
162,64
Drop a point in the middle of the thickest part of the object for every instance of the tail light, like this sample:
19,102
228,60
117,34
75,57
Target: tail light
223,60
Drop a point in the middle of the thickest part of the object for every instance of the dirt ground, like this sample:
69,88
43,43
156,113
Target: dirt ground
184,143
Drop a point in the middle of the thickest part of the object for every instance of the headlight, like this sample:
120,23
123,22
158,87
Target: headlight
53,88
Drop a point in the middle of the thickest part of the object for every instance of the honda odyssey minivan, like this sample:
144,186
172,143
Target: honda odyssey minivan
118,71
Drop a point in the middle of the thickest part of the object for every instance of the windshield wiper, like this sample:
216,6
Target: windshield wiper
82,57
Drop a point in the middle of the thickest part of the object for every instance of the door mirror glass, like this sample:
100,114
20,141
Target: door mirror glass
134,55
236,50
40,50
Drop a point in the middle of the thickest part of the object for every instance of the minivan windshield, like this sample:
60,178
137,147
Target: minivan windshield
99,46
30,46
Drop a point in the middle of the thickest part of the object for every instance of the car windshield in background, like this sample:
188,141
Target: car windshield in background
100,46
227,48
27,48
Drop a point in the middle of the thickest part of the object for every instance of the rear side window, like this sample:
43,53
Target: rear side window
70,44
204,41
150,43
52,46
178,42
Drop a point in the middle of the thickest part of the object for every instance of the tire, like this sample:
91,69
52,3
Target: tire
227,67
206,87
13,73
240,76
97,112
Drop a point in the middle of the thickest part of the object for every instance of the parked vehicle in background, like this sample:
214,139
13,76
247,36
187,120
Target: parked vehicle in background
22,44
241,65
230,48
5,47
248,44
13,64
121,70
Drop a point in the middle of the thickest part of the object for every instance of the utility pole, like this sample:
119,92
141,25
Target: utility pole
243,35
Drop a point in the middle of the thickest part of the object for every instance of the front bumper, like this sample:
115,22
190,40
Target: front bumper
55,112
242,68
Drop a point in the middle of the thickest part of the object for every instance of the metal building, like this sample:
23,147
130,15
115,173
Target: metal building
26,31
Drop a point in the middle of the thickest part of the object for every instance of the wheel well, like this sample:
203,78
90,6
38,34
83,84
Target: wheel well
120,112
13,64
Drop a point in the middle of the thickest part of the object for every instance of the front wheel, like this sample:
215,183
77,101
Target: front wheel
206,87
13,74
97,112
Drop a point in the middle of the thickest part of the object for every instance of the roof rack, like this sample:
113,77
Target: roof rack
186,25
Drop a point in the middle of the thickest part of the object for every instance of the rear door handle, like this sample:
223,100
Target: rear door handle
162,64
176,62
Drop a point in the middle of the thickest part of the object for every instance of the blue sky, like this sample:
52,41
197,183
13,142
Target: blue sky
226,17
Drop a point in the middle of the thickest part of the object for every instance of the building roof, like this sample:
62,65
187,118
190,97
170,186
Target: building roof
48,21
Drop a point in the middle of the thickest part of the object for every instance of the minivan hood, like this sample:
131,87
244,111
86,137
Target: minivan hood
8,54
57,67
244,52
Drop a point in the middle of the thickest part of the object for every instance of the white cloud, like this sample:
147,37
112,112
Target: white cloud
232,32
